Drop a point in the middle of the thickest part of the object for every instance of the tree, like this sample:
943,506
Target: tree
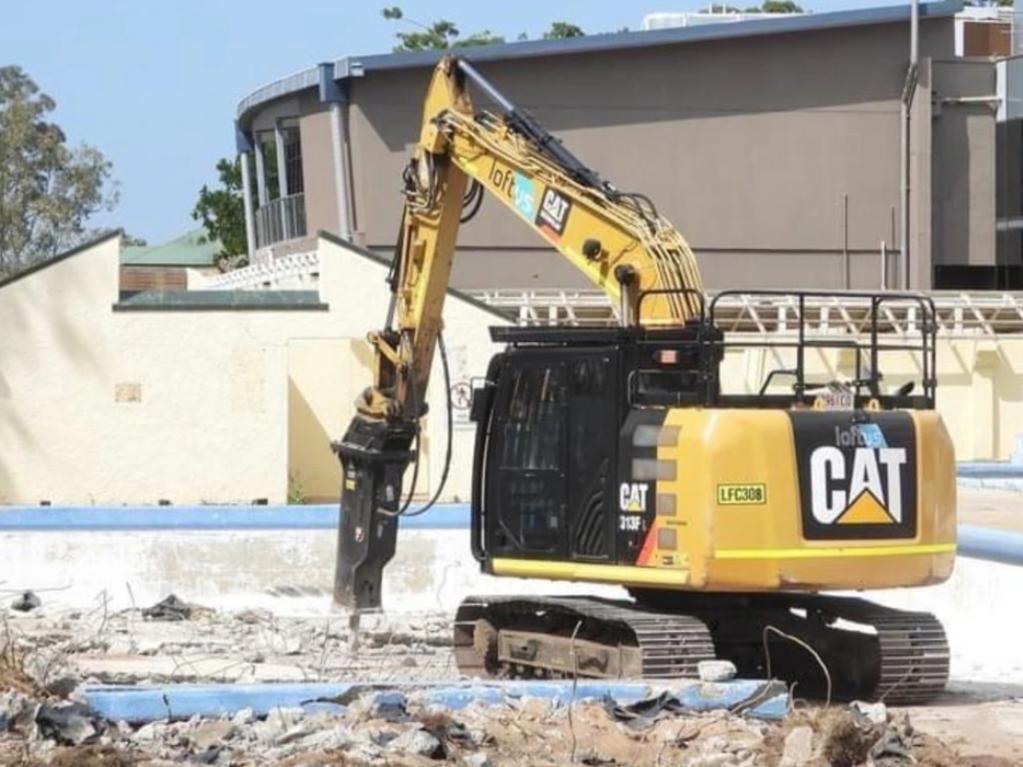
439,35
562,29
48,190
129,240
443,34
222,213
780,6
478,38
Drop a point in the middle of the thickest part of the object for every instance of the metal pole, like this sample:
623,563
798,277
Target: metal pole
260,173
914,31
884,265
903,271
845,241
282,181
907,102
341,186
250,234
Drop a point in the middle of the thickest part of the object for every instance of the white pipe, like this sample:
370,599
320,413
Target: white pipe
884,265
260,171
339,143
282,181
990,545
250,233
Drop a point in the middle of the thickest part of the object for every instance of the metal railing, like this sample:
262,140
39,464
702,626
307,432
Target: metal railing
281,219
873,335
290,271
957,314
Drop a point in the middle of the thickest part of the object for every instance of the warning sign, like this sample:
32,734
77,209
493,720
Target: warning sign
461,387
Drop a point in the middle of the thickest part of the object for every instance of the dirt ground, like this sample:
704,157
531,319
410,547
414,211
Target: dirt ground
973,724
1001,509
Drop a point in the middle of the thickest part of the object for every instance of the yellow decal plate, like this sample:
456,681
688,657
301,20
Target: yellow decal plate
749,494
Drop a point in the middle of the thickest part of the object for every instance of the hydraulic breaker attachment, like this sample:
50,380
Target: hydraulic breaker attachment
373,455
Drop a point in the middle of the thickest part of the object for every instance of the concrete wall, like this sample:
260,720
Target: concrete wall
321,211
752,147
326,375
98,406
291,572
963,177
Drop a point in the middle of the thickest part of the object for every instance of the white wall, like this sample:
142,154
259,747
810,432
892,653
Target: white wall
106,407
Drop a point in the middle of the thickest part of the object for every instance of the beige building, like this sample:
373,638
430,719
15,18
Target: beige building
773,144
199,396
212,395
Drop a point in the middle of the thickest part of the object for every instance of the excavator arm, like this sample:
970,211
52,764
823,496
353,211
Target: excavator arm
617,239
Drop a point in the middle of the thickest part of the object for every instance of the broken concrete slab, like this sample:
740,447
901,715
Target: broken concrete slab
139,704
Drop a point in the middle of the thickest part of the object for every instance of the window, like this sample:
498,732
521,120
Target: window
293,159
533,429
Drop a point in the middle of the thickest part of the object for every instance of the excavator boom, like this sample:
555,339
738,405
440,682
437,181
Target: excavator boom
617,239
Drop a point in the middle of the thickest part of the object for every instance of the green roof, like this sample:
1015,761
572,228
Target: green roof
190,249
230,300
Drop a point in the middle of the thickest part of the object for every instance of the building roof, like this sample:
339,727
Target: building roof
222,300
47,262
358,66
190,249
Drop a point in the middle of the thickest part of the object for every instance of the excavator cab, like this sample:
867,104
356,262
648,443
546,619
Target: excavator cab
551,417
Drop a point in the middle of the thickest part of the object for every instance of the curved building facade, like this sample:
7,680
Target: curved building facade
773,144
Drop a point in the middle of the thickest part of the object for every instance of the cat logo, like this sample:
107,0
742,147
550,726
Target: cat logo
632,497
553,212
867,492
857,478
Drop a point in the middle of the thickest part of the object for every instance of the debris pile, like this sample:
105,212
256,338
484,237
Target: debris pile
399,729
177,641
45,656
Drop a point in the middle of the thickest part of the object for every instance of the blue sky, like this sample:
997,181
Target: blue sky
154,85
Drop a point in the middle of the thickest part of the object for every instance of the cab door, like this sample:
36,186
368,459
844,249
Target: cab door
526,487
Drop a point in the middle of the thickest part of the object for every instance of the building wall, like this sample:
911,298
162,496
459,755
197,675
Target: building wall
106,407
755,148
987,39
321,210
327,374
1009,134
963,182
135,279
980,395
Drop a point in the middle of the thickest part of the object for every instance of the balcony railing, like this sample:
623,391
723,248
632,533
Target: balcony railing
281,219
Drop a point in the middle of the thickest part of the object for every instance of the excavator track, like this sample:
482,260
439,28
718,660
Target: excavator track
562,636
870,651
914,654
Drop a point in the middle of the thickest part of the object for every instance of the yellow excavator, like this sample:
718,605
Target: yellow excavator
615,455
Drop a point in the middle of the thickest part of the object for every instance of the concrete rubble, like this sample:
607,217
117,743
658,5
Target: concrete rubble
530,732
46,655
